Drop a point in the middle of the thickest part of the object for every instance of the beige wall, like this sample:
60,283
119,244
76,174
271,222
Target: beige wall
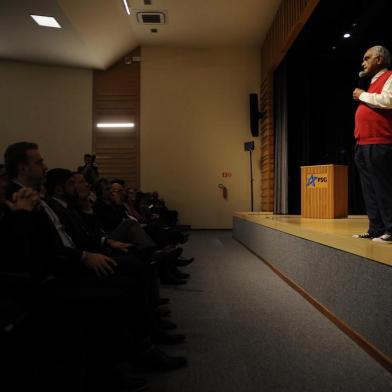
194,121
49,105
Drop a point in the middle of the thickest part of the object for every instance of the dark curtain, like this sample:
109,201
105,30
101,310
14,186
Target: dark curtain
280,126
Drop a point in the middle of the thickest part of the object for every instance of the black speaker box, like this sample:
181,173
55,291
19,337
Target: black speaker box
255,115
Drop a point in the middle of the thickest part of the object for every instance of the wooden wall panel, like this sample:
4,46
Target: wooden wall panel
288,22
116,98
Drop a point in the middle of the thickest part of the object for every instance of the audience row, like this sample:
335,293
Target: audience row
81,270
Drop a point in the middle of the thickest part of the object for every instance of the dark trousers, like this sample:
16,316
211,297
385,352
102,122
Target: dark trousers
113,303
131,231
374,163
82,325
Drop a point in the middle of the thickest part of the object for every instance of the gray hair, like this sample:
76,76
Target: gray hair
384,53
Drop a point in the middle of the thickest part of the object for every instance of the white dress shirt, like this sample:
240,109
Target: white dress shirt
382,100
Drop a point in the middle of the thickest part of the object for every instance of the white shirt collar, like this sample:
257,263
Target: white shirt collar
378,74
62,202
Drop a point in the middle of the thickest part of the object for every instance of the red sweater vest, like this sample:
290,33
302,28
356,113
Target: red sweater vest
374,126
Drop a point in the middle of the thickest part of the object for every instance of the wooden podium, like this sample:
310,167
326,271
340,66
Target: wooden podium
324,191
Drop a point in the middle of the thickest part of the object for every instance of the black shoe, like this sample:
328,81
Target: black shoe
172,252
155,359
169,279
179,274
165,254
162,312
122,379
162,337
182,261
163,301
126,382
184,238
166,324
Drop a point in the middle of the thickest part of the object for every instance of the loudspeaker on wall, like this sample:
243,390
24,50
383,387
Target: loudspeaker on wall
254,113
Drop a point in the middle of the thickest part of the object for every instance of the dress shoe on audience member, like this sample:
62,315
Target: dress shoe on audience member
170,279
162,337
122,379
155,359
127,382
170,253
163,301
162,312
166,324
173,252
182,261
184,238
179,274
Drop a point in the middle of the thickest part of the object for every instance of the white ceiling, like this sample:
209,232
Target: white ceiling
96,33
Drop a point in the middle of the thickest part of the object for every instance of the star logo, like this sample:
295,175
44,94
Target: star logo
311,181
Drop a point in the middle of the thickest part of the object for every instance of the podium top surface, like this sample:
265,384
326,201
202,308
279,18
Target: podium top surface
327,164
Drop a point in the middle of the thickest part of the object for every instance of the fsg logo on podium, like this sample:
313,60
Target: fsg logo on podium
319,180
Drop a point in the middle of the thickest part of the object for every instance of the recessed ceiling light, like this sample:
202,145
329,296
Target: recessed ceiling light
115,125
46,21
127,7
347,35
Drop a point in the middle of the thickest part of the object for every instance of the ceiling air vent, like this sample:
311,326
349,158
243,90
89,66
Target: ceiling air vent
151,17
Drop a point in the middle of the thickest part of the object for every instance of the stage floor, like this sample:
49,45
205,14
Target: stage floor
336,233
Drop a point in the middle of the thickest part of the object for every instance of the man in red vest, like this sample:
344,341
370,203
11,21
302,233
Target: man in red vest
373,153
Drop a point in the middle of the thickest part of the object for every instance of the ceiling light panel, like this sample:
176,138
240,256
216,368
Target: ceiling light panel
46,21
115,125
127,9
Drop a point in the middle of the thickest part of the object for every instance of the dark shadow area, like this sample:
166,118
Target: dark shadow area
322,70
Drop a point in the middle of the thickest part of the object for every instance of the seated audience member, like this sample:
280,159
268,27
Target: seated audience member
162,235
16,285
111,211
106,300
169,217
130,230
144,206
129,202
90,169
14,215
63,197
109,214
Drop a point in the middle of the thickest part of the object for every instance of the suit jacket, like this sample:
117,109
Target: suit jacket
47,252
82,235
109,215
16,229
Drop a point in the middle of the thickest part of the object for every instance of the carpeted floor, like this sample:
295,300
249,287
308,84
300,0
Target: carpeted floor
248,331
